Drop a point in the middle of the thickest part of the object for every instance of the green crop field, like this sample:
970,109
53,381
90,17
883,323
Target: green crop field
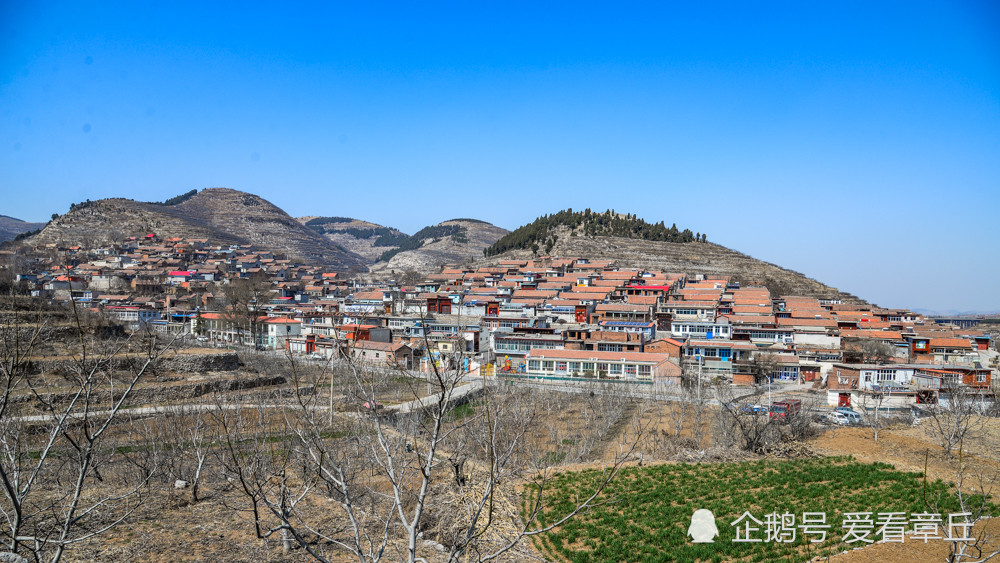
645,512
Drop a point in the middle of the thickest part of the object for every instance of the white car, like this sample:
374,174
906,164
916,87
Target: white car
845,419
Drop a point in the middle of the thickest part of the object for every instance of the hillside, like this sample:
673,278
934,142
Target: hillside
220,214
457,241
11,227
690,258
365,239
540,234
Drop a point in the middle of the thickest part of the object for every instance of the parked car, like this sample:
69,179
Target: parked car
755,409
847,410
839,418
849,417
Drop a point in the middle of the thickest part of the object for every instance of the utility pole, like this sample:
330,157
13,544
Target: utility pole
701,360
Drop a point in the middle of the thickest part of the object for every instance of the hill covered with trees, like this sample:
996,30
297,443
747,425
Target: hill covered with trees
541,233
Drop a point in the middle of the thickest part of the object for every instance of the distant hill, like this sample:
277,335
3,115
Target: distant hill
220,214
360,237
541,234
457,241
11,227
678,257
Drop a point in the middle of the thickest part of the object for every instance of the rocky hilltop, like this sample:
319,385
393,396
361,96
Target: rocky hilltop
220,214
11,227
234,217
365,239
680,257
457,241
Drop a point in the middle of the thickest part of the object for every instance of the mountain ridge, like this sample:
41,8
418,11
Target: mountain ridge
223,215
687,257
11,227
230,216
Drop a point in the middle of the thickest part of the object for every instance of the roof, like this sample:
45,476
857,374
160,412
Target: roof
627,323
734,344
381,346
623,307
806,322
950,343
672,341
749,319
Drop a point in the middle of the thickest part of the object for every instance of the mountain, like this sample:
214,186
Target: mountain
542,232
11,227
219,214
955,313
365,239
457,241
565,237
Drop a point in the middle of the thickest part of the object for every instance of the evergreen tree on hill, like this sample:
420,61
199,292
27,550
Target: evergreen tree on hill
539,233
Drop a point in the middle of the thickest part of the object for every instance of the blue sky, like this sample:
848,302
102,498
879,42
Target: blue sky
856,143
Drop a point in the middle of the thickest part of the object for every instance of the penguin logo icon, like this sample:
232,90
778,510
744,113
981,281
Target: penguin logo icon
702,527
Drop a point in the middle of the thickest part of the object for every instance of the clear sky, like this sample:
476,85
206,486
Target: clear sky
854,142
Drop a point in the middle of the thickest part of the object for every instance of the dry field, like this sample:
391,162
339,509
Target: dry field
567,431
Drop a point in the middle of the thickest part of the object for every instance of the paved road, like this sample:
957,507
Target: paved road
459,393
474,385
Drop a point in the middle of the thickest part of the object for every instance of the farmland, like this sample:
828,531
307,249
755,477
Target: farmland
644,514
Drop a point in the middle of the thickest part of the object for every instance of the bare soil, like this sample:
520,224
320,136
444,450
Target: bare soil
908,448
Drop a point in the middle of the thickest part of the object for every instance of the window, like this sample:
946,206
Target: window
574,367
588,366
547,365
980,378
616,369
534,365
602,367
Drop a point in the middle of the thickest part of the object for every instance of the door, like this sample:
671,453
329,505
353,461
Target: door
844,400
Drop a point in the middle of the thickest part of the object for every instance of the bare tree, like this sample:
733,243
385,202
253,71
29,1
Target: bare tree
870,409
386,476
66,473
244,298
686,407
185,437
954,419
868,351
742,422
973,490
679,410
762,365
